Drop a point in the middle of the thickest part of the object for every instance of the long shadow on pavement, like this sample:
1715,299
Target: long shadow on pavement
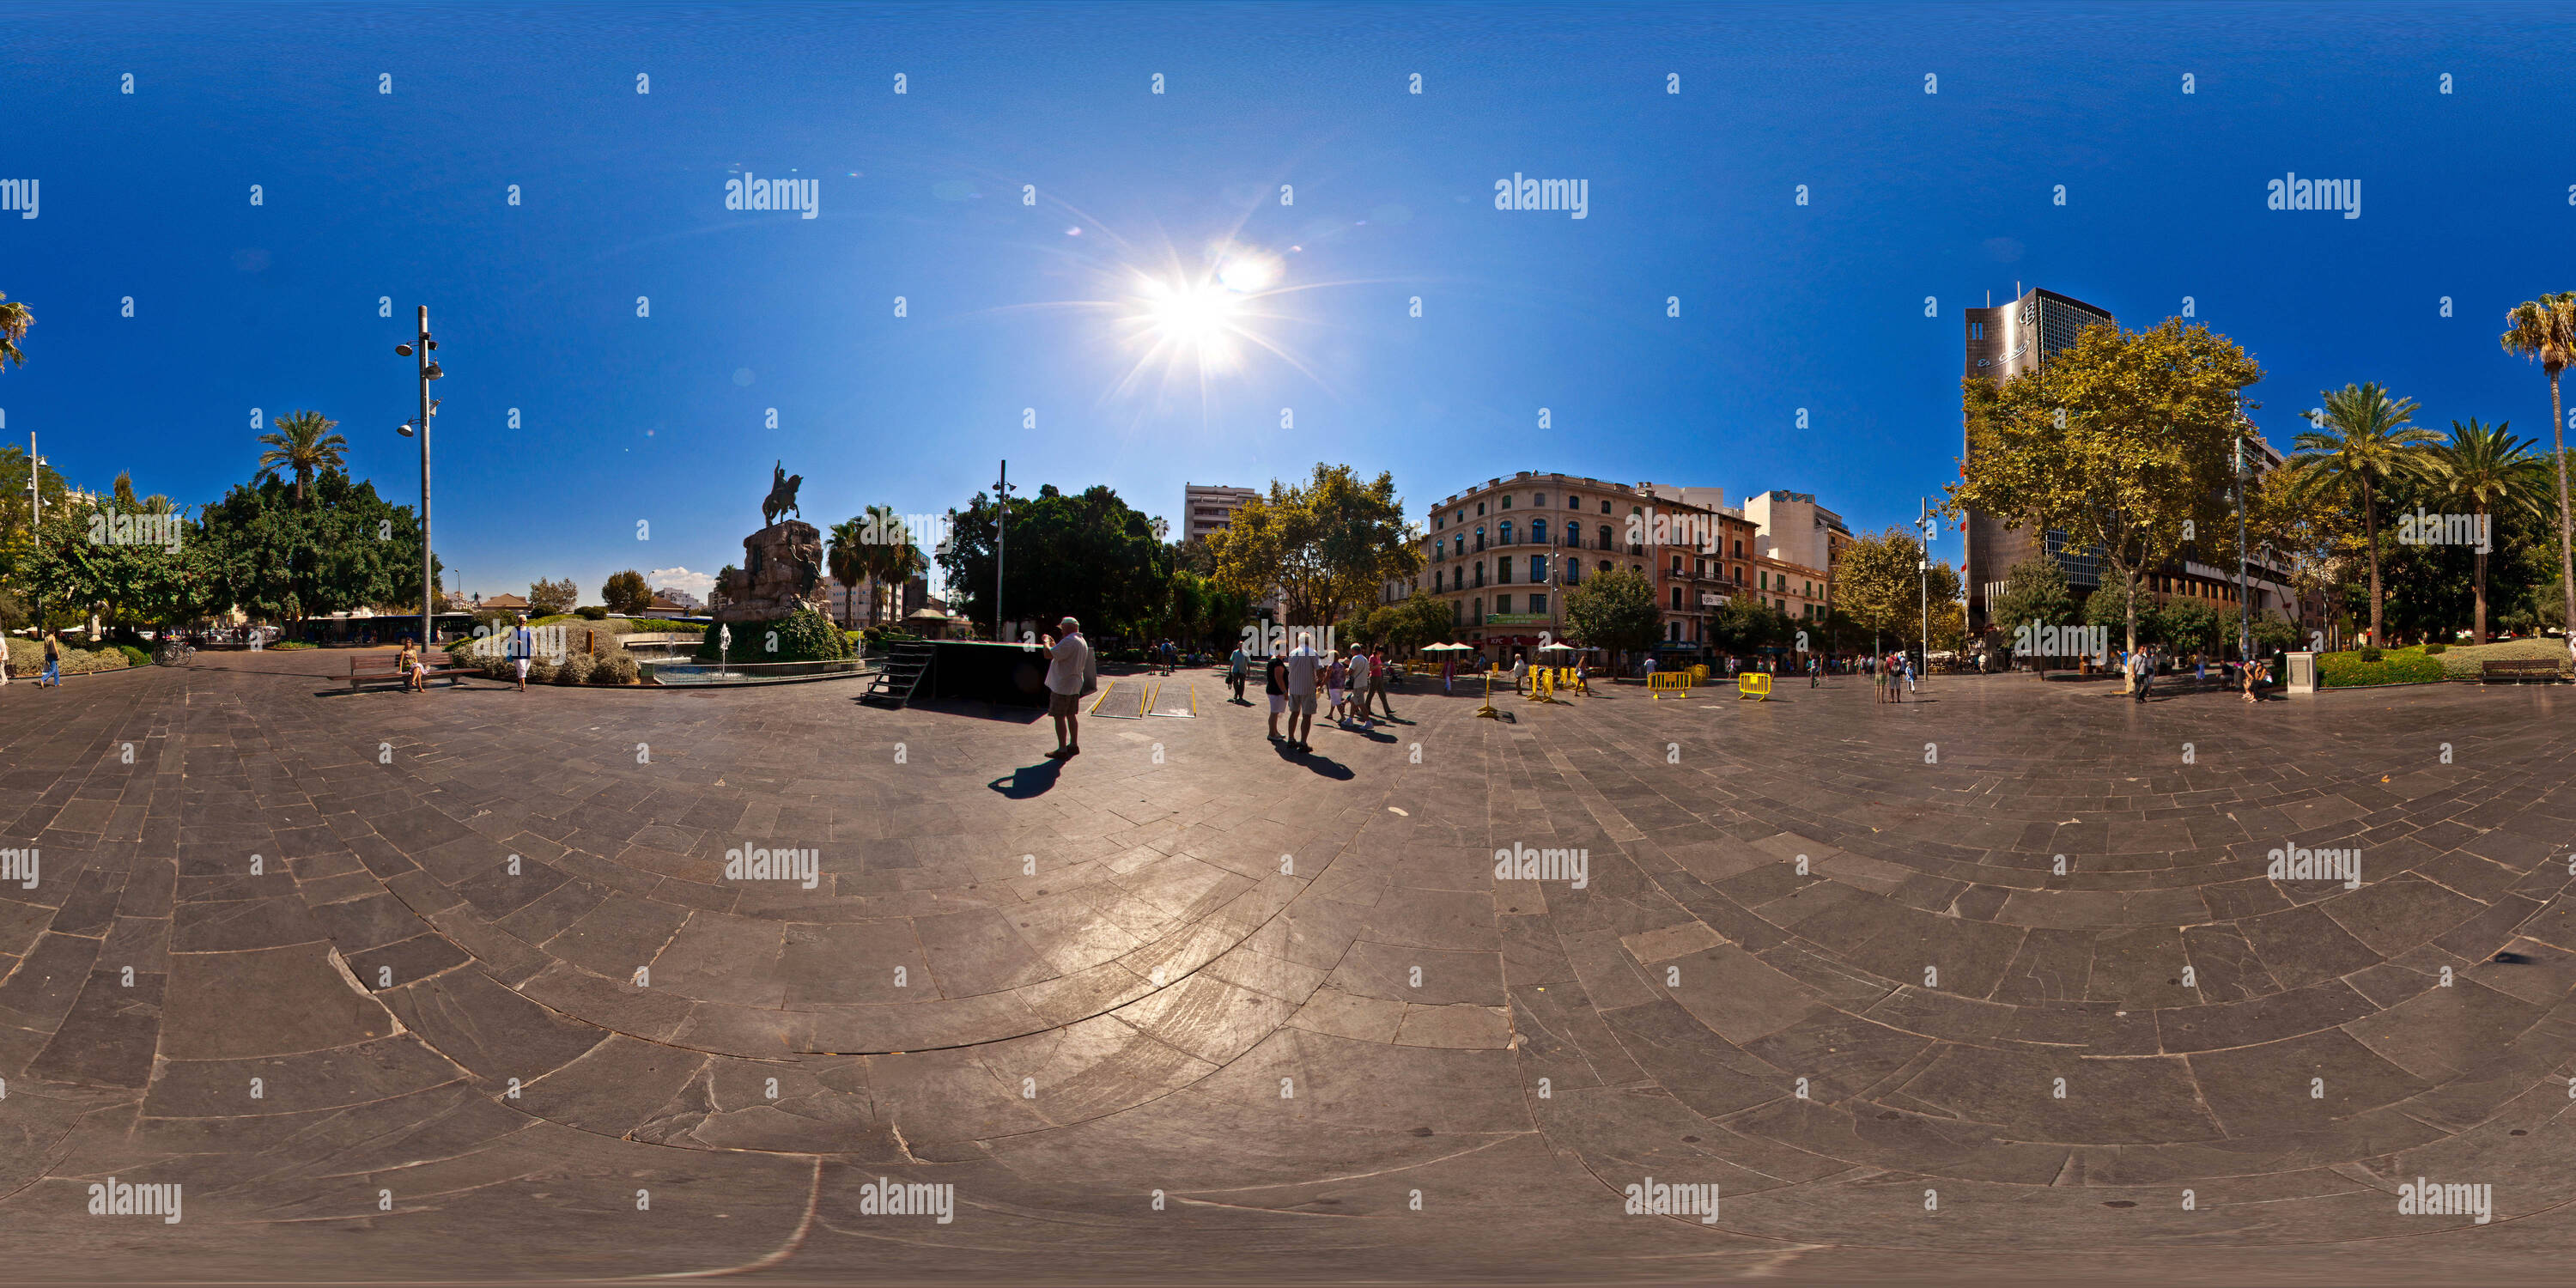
1028,780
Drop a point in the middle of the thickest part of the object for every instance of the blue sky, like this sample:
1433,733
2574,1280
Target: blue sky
664,420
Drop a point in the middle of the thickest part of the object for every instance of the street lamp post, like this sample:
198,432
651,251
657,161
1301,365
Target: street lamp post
2244,601
428,371
1001,520
1923,579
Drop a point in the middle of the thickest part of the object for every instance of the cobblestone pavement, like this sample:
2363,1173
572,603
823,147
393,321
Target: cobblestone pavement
456,985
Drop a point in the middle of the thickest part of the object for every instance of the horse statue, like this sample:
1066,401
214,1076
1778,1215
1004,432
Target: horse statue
782,495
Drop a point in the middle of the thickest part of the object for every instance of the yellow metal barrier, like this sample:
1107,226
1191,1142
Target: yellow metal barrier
1753,684
1674,683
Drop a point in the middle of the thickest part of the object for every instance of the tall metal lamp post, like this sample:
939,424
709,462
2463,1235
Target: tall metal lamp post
428,407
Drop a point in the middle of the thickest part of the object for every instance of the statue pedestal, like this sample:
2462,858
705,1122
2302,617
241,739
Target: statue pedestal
781,574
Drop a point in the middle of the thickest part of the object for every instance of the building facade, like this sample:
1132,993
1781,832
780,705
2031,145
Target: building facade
1209,508
2002,342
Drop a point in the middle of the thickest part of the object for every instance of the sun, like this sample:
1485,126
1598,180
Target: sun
1198,317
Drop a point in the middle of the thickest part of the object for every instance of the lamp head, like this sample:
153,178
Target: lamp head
404,429
403,349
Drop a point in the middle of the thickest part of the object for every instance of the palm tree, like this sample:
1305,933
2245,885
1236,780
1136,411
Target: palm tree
2495,471
14,321
304,445
2361,443
897,562
847,556
2545,329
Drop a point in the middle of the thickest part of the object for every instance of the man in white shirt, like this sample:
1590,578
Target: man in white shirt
1068,668
1360,683
1303,666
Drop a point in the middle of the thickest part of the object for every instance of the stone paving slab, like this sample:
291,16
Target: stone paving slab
576,985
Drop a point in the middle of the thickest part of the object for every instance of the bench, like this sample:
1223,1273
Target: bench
383,666
2518,669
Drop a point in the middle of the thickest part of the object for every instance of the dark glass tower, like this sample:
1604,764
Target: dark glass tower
2003,342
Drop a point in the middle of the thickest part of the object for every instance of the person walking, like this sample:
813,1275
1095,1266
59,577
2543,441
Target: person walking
523,649
1377,682
1909,673
1336,681
1360,674
2141,671
1449,672
1304,666
1235,667
53,661
1068,668
1274,681
1815,671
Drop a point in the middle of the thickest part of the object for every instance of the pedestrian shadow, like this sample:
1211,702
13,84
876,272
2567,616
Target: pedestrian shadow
1028,780
1324,766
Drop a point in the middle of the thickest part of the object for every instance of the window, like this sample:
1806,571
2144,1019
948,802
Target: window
1507,504
1439,521
1784,605
1538,603
1677,565
1605,536
1677,600
1480,536
1605,565
1503,603
1480,574
1605,505
1435,579
1539,499
1538,532
1462,515
1480,609
1976,330
1504,537
1503,571
1739,574
1456,607
1574,572
1676,633
1573,502
1480,509
1739,553
1699,567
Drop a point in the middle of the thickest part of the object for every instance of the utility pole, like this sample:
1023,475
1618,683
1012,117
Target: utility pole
2244,601
429,371
1923,579
36,513
1001,519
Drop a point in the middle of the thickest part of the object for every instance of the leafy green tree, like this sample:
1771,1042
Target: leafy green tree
2035,593
2363,442
2125,441
1324,547
1614,610
1749,624
95,559
2111,606
303,446
547,598
1876,582
280,560
1421,618
2495,472
2544,330
17,534
625,592
1089,556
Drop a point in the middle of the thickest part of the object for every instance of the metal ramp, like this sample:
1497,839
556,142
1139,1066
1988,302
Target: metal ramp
1183,705
1121,700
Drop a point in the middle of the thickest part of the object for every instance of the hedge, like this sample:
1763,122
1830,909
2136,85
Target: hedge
804,637
27,659
2348,670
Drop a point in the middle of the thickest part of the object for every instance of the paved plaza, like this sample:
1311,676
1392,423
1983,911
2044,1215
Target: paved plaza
457,986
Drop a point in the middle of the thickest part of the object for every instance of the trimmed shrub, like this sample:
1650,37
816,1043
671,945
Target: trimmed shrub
134,656
294,644
2350,670
540,671
574,669
592,613
804,637
614,668
2436,649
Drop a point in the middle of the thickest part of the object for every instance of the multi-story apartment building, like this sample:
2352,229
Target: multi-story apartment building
1207,508
1801,541
1504,555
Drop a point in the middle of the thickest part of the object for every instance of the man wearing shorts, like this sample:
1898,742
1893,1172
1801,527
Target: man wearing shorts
1068,666
1303,667
1275,684
523,647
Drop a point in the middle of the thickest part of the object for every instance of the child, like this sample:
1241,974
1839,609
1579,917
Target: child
1336,678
